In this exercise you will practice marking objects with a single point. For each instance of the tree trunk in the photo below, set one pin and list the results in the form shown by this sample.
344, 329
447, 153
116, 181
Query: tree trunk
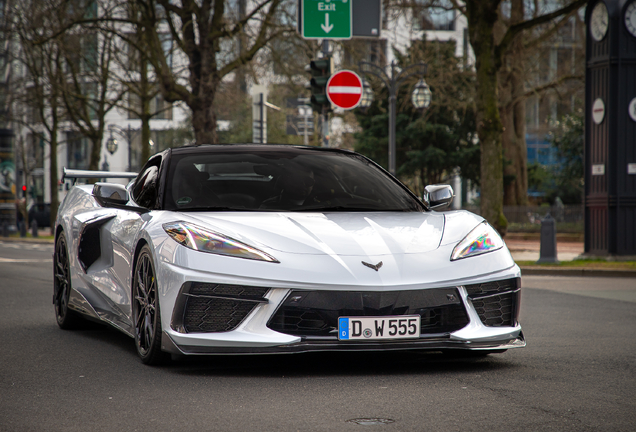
204, 119
96, 149
144, 97
513, 116
55, 202
145, 141
482, 16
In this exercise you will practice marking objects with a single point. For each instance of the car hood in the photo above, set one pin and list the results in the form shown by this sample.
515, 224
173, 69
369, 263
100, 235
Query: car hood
345, 234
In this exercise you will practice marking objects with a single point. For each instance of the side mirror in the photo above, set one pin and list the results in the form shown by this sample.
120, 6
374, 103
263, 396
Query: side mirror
437, 197
110, 193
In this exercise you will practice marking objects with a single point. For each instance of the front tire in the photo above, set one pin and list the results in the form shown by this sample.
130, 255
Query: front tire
66, 318
146, 313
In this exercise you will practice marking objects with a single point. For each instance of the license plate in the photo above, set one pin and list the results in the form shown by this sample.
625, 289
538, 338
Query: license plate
387, 327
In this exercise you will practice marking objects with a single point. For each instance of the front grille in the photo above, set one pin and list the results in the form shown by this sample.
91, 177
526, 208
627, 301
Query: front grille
214, 315
496, 303
223, 290
205, 308
494, 287
495, 311
315, 313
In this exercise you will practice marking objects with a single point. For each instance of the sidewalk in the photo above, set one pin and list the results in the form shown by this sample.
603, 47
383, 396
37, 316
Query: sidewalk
524, 247
527, 247
42, 233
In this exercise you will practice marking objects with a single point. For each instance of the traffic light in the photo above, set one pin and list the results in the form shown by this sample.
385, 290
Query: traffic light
320, 70
24, 190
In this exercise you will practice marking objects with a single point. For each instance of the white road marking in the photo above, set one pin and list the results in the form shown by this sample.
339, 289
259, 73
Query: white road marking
17, 260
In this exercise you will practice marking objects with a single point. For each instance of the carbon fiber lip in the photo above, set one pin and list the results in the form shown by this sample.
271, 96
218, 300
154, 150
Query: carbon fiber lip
431, 344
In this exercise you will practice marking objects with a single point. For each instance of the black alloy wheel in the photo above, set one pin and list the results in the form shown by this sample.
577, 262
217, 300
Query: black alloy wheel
66, 318
146, 314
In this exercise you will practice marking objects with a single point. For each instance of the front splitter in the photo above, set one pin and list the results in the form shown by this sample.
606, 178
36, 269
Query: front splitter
430, 344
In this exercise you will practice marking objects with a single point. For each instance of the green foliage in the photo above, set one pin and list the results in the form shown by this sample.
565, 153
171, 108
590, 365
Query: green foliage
240, 130
539, 177
433, 143
564, 180
569, 142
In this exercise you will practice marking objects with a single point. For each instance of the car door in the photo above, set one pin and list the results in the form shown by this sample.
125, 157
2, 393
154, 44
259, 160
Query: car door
124, 233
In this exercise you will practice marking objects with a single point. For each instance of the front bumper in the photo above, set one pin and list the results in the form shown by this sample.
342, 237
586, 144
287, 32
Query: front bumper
450, 319
253, 333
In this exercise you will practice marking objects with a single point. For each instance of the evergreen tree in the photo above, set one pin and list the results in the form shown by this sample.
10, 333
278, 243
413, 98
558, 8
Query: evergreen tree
430, 144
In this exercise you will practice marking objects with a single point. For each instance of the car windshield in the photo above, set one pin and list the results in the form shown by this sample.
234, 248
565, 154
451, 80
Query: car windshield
281, 179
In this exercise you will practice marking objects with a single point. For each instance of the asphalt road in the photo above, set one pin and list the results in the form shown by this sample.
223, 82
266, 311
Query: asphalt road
578, 372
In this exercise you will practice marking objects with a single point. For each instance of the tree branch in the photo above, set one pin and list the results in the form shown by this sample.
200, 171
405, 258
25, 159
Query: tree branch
548, 34
516, 29
545, 87
261, 40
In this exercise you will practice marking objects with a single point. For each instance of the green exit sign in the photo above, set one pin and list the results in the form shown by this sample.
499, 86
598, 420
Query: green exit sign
326, 19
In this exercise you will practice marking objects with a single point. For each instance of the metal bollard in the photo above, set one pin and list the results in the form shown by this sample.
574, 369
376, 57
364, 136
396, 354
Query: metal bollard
5, 229
34, 228
548, 248
22, 228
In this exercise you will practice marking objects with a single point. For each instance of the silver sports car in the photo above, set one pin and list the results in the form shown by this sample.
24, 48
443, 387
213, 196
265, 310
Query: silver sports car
218, 249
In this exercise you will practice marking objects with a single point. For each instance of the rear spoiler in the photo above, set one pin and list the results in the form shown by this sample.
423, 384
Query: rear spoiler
75, 174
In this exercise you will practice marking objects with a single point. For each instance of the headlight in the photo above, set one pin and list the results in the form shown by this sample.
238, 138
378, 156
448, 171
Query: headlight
481, 240
201, 239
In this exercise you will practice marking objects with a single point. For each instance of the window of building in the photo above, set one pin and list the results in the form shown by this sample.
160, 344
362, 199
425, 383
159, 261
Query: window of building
161, 108
166, 46
441, 16
77, 150
36, 150
32, 108
158, 107
372, 51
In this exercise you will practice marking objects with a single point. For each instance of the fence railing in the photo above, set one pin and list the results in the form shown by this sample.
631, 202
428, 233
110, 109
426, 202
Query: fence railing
569, 218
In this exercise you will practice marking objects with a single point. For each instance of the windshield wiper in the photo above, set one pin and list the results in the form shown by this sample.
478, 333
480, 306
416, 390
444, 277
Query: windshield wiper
341, 208
212, 208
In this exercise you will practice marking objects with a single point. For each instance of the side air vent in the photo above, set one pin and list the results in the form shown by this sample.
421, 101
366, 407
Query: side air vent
89, 249
206, 308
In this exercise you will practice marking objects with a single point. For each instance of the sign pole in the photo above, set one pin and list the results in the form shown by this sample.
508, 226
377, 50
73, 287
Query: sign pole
325, 110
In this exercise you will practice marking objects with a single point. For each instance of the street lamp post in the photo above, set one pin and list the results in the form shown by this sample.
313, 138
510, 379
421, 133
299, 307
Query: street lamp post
111, 147
421, 96
111, 144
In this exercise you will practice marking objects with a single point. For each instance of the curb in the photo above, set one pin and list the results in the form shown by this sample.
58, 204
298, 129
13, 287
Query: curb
576, 271
561, 237
26, 240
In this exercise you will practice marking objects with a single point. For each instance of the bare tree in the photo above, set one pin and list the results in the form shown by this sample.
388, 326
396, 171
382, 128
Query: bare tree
523, 74
38, 92
143, 99
483, 18
206, 37
89, 90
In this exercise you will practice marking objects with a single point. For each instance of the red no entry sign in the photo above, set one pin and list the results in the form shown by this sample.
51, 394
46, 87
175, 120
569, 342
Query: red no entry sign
344, 89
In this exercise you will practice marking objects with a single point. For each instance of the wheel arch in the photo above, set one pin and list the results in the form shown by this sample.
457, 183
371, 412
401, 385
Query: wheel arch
140, 244
59, 230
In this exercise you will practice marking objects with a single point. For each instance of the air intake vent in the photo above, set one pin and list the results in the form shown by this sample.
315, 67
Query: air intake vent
496, 303
495, 287
206, 308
